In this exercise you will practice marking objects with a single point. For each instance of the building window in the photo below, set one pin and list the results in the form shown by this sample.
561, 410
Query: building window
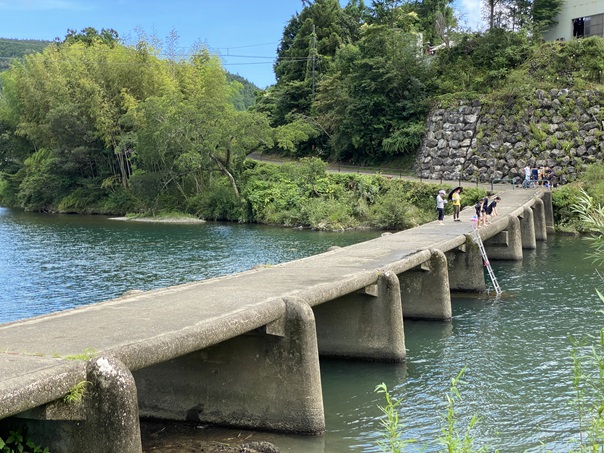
584, 27
596, 27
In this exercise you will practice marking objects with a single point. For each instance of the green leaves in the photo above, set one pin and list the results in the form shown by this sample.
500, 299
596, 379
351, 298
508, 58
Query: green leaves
17, 442
99, 120
392, 427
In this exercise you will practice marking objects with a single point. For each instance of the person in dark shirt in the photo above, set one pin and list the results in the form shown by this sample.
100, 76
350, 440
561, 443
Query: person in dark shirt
492, 207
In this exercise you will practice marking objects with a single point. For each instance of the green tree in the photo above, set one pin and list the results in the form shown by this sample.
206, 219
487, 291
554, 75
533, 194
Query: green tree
71, 99
535, 15
373, 105
17, 48
90, 37
183, 137
545, 12
309, 43
480, 62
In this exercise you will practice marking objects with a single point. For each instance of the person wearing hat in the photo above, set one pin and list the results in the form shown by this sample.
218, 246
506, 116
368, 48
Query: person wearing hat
440, 205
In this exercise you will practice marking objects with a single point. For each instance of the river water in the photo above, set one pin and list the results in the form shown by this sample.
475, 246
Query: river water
515, 350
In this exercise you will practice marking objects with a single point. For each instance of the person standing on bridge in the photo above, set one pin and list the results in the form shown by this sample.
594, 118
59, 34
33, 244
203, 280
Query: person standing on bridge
480, 207
483, 211
440, 206
527, 177
455, 197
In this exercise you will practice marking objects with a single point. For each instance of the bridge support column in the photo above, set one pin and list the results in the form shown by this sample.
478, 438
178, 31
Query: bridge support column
268, 379
506, 245
425, 289
549, 212
527, 229
106, 419
540, 220
466, 268
367, 324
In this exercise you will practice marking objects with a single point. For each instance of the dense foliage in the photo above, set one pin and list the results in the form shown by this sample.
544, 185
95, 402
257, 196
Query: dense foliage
303, 194
92, 124
568, 197
358, 73
515, 15
365, 74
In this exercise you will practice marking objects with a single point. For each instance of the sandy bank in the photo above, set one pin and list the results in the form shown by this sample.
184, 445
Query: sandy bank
187, 220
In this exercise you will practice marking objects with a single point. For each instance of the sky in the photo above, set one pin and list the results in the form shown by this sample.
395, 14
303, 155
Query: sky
244, 33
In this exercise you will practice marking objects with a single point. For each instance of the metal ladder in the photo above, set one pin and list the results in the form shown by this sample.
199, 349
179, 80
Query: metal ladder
476, 238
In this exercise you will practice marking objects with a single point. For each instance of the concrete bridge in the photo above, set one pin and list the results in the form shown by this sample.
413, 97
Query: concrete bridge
243, 350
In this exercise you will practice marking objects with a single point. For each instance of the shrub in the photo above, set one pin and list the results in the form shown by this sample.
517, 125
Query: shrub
121, 202
564, 200
328, 214
217, 202
394, 211
593, 182
17, 441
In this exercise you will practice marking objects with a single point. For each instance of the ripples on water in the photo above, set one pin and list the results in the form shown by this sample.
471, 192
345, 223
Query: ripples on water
516, 354
515, 350
54, 262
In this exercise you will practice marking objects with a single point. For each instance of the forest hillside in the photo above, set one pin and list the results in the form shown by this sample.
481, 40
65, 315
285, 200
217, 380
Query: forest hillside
91, 124
18, 48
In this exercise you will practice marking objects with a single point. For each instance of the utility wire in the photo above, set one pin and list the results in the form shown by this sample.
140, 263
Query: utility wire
292, 59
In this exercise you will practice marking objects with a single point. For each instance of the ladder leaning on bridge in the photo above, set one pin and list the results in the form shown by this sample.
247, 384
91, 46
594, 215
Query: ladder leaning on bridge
476, 238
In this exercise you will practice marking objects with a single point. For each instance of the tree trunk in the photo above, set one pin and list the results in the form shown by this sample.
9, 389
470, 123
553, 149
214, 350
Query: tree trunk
225, 170
121, 158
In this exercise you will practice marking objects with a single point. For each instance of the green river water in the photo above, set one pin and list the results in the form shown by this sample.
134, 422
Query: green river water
515, 350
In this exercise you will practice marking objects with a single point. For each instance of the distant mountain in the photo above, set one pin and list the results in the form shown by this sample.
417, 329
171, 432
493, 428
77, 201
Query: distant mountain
17, 48
246, 96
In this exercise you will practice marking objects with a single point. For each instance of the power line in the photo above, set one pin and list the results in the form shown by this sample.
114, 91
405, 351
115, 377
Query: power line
185, 55
250, 45
244, 56
138, 63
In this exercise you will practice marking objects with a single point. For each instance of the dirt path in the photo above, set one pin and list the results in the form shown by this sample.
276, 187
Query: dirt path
387, 172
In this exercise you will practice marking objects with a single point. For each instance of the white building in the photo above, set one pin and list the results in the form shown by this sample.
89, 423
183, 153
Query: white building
578, 19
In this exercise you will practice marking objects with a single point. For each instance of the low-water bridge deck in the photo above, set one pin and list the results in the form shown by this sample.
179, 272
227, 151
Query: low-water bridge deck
242, 350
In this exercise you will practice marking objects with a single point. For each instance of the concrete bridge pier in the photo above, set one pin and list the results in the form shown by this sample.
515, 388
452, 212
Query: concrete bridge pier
425, 290
540, 220
367, 324
268, 379
527, 229
466, 268
549, 211
507, 244
105, 419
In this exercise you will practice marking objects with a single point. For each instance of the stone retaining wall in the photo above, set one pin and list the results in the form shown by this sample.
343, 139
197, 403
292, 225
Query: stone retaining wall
474, 141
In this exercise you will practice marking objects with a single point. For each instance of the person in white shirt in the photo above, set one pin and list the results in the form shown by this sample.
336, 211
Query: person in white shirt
440, 205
